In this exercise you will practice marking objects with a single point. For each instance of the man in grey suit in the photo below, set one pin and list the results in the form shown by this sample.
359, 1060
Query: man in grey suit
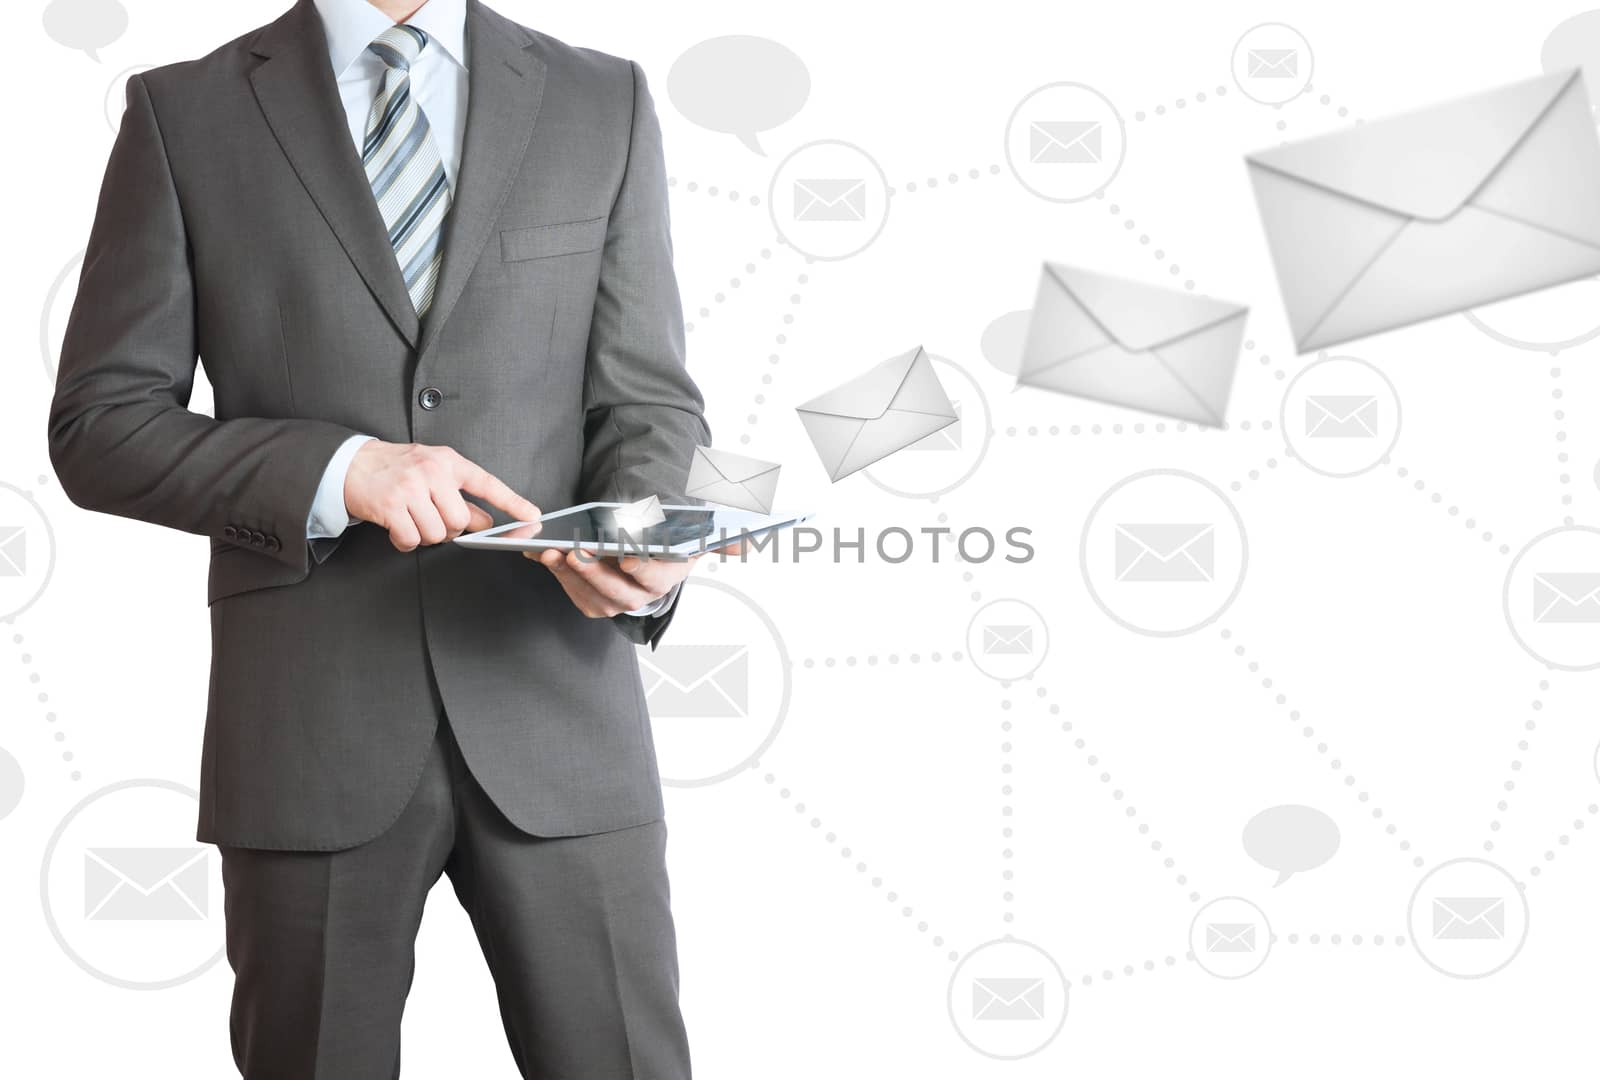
423, 253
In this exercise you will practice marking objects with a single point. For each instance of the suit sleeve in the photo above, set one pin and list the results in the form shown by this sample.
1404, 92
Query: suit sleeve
121, 436
643, 414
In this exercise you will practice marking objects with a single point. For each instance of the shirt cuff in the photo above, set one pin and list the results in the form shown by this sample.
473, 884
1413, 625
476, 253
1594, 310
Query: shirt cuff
328, 517
658, 605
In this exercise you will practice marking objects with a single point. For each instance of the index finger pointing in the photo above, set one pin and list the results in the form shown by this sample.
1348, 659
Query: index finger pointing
475, 480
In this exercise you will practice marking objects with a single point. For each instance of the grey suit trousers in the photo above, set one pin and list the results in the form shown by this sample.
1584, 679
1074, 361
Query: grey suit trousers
577, 931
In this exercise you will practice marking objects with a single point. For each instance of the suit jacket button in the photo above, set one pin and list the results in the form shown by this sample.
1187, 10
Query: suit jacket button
229, 532
258, 539
430, 397
272, 543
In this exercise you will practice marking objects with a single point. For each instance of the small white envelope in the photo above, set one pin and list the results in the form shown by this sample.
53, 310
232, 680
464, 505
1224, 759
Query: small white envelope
732, 480
1272, 64
639, 516
13, 550
1165, 552
870, 417
1469, 918
1434, 211
1568, 597
145, 884
1127, 343
1064, 142
1230, 937
1008, 999
1341, 416
683, 681
830, 200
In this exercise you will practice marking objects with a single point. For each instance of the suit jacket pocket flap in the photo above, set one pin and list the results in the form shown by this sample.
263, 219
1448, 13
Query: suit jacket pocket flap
545, 241
236, 570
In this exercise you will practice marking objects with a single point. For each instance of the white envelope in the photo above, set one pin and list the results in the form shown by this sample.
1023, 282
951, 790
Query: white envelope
1230, 937
1064, 142
696, 680
1008, 640
743, 483
1434, 211
1341, 416
1566, 597
1127, 343
145, 884
1272, 64
639, 516
870, 417
1469, 918
1163, 552
13, 551
830, 200
1007, 999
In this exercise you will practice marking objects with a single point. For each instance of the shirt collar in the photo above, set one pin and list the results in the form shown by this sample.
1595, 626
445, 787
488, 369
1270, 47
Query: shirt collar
350, 26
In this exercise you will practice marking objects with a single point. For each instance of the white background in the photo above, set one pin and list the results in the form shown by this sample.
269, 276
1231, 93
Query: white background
1372, 608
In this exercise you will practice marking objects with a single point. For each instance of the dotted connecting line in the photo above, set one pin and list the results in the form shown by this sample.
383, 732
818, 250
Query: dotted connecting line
733, 283
1578, 825
1327, 102
773, 358
1374, 940
1128, 970
1092, 761
714, 192
1562, 457
1510, 784
1130, 226
1437, 499
1266, 360
1200, 98
890, 896
1007, 875
1307, 732
872, 659
1159, 428
951, 179
1255, 474
42, 696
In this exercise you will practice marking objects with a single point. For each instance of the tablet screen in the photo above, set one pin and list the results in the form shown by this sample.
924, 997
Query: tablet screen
599, 525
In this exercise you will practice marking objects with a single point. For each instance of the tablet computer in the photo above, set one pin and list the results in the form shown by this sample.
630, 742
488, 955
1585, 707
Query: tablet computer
686, 531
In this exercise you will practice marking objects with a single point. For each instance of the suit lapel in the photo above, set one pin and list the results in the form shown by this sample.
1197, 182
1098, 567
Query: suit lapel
299, 97
505, 84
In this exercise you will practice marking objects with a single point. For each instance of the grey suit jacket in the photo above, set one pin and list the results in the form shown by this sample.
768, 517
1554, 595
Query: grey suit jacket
235, 223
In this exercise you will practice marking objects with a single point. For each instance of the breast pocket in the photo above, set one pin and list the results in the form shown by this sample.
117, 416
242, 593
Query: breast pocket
549, 241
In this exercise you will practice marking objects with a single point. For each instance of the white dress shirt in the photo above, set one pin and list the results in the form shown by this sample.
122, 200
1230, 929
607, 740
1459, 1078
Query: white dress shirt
439, 85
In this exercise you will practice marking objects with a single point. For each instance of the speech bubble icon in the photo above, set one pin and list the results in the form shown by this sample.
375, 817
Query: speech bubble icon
739, 85
1575, 43
1290, 839
85, 24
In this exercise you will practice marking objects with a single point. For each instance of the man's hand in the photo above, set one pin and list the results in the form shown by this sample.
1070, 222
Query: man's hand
603, 587
415, 492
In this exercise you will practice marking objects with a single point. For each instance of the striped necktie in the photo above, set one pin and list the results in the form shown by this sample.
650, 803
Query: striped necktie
403, 166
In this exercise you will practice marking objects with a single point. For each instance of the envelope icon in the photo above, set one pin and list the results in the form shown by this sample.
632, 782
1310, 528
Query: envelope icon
945, 440
1127, 343
1230, 937
1008, 999
1064, 142
743, 483
1272, 64
145, 884
890, 407
1566, 598
830, 200
696, 680
1469, 918
636, 517
1434, 211
1008, 640
1340, 416
1160, 552
13, 551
